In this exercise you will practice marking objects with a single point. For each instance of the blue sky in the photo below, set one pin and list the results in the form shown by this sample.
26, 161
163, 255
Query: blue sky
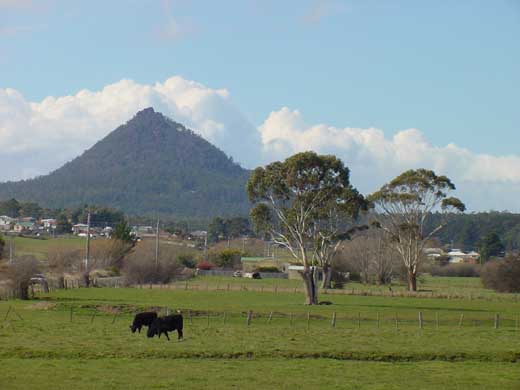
448, 68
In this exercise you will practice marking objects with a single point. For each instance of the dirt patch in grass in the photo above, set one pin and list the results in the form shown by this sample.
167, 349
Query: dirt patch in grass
42, 306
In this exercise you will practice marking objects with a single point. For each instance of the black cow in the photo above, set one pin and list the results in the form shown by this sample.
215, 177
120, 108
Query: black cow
143, 319
165, 325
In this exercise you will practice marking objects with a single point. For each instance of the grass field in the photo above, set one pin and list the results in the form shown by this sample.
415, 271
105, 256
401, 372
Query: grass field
42, 348
24, 246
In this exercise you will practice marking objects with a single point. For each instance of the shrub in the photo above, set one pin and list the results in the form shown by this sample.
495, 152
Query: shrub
502, 276
268, 269
205, 265
461, 270
141, 267
145, 270
19, 274
338, 279
187, 261
227, 258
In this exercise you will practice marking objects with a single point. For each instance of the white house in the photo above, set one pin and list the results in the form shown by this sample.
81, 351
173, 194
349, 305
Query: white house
6, 222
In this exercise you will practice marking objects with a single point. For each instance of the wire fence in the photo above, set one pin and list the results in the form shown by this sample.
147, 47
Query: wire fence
374, 320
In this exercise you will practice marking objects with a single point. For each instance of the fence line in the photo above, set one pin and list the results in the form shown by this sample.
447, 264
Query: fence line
118, 282
303, 320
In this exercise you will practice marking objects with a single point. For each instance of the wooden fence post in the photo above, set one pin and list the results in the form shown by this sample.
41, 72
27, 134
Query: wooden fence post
189, 317
420, 320
497, 321
333, 320
436, 320
359, 320
249, 316
224, 319
93, 316
270, 317
461, 319
308, 319
378, 319
70, 315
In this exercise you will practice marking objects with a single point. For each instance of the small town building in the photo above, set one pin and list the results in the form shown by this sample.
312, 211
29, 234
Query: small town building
24, 227
80, 228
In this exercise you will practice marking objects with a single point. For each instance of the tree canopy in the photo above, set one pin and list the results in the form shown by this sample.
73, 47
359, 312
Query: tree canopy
292, 200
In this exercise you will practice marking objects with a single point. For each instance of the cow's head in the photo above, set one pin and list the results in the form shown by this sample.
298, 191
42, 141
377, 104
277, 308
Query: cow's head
133, 328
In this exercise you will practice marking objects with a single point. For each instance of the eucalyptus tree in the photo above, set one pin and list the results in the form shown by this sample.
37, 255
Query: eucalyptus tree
403, 207
294, 199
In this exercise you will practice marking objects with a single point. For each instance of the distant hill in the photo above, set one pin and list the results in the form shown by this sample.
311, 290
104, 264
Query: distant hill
149, 165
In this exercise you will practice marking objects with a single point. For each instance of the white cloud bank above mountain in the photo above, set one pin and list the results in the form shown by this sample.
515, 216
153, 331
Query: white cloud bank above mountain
36, 137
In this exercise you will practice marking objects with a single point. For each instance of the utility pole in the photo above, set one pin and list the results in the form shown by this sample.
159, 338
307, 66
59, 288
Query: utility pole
157, 244
206, 246
87, 256
11, 249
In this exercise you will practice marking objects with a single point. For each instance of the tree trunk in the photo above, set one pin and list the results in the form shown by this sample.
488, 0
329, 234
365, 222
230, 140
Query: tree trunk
86, 279
311, 286
327, 277
61, 282
412, 280
23, 291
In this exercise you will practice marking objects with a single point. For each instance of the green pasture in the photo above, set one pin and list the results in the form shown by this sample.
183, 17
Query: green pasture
24, 246
80, 338
154, 374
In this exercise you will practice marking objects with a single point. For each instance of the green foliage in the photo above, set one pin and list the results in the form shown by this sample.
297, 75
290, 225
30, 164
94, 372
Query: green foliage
490, 246
11, 208
227, 228
150, 165
187, 260
466, 230
227, 258
63, 225
123, 232
293, 195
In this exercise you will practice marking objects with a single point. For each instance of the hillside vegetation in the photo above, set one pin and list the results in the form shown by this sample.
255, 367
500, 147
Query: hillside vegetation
150, 165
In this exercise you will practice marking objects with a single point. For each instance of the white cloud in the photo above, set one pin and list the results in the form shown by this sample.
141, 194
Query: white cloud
375, 159
36, 137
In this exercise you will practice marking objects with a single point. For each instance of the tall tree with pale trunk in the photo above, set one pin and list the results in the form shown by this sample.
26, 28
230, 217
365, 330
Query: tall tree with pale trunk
402, 209
292, 200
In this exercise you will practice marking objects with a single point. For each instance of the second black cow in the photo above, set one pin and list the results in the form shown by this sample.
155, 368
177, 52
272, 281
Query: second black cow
166, 324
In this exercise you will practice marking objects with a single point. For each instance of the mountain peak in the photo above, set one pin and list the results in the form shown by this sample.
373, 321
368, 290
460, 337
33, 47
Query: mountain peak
148, 165
146, 112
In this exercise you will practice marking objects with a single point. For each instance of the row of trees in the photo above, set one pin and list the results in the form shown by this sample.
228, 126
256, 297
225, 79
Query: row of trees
308, 205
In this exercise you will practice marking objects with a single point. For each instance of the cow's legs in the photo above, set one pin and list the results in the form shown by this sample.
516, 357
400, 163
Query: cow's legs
166, 333
179, 334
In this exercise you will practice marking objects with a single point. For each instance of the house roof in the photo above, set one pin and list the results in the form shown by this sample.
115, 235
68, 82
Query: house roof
25, 224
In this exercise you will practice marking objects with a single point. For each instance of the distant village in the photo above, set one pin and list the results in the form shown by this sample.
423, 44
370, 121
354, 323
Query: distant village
32, 226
